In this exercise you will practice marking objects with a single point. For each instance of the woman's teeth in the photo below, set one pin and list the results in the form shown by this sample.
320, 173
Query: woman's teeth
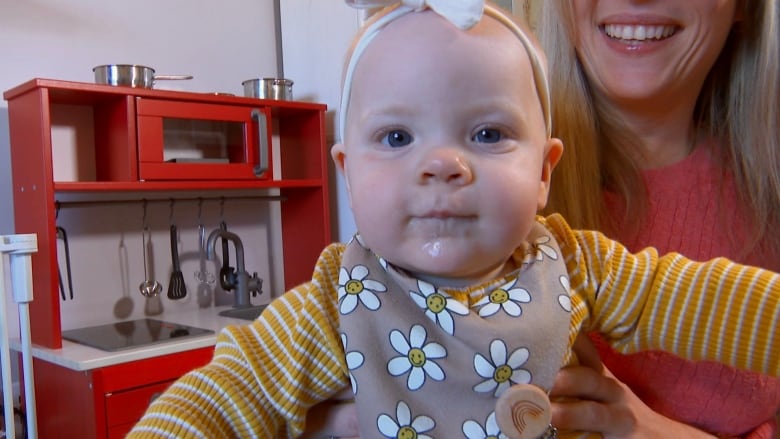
638, 32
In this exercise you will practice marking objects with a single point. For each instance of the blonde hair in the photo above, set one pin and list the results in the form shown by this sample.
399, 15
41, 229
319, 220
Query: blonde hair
737, 104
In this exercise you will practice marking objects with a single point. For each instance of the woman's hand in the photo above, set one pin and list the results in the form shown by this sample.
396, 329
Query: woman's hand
335, 417
590, 398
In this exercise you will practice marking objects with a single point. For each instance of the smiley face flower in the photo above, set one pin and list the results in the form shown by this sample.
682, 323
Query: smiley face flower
403, 426
501, 372
438, 306
505, 297
416, 356
354, 288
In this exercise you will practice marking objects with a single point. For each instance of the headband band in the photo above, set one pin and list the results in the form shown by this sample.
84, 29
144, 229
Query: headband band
462, 13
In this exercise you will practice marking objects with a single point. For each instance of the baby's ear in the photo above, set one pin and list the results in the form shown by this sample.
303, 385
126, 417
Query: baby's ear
338, 155
553, 151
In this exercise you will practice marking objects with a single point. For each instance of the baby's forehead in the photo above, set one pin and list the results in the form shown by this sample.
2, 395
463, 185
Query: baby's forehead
428, 28
392, 40
420, 39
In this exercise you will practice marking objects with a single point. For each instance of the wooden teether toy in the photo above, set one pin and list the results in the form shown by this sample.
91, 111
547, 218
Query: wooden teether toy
523, 412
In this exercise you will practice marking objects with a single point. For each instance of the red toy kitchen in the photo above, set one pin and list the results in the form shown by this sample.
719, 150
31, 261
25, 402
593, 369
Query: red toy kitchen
134, 175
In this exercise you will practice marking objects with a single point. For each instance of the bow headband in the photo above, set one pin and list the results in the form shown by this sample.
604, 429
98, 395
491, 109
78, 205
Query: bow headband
462, 13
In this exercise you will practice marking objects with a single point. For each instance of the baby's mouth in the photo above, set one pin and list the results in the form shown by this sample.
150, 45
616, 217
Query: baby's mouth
440, 225
634, 33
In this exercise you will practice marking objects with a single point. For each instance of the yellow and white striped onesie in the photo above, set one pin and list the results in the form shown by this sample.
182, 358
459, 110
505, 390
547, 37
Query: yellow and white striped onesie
265, 376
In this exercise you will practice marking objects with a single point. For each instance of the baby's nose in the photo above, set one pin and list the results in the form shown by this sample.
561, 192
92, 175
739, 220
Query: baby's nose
445, 165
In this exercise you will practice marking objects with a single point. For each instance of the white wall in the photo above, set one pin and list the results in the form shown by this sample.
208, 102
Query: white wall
315, 36
219, 43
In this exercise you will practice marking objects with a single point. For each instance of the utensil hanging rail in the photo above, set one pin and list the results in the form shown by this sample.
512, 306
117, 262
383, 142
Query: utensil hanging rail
84, 203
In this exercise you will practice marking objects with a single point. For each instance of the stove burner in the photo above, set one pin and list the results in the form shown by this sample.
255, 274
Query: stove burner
132, 334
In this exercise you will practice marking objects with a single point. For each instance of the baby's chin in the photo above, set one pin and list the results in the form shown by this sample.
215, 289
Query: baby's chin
457, 278
446, 262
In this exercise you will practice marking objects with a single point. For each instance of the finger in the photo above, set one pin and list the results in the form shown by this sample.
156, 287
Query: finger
586, 415
332, 418
585, 383
345, 395
587, 353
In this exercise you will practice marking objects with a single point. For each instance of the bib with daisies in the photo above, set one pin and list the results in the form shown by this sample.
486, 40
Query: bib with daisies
426, 365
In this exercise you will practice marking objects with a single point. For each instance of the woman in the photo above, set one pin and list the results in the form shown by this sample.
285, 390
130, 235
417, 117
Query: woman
667, 111
669, 117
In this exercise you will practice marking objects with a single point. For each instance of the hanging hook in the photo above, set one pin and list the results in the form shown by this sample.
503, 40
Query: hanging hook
170, 215
143, 218
201, 227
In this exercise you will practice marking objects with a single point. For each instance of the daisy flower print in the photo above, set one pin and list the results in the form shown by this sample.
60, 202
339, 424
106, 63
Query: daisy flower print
564, 299
473, 429
438, 306
501, 371
354, 287
416, 357
354, 360
506, 298
541, 249
403, 426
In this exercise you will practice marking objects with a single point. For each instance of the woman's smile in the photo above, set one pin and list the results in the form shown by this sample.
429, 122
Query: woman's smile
631, 33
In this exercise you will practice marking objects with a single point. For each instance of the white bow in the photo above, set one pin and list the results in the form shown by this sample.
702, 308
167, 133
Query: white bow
462, 13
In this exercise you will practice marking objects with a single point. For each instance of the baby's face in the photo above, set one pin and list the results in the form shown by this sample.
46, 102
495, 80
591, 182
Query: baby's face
445, 152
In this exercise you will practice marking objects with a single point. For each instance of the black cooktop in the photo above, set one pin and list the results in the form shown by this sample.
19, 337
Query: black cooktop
131, 334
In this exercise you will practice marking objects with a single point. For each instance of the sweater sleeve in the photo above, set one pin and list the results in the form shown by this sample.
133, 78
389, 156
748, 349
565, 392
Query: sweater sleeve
716, 310
264, 376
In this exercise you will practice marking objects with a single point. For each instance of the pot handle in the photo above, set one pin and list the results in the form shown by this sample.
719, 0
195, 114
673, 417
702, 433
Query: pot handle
156, 77
262, 142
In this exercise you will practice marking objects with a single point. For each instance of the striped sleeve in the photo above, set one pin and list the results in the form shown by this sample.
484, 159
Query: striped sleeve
264, 376
716, 310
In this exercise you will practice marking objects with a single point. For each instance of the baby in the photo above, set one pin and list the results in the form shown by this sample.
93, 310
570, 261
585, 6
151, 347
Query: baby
454, 291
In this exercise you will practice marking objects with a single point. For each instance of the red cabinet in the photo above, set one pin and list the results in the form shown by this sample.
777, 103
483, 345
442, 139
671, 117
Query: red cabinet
104, 402
202, 141
125, 408
131, 132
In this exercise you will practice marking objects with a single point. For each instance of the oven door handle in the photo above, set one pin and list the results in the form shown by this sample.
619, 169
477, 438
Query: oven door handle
262, 142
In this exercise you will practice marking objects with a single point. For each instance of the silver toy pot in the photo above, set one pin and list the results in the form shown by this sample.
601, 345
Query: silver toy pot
130, 75
269, 88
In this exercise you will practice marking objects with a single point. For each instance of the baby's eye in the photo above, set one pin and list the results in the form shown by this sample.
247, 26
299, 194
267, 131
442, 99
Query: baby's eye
487, 135
397, 138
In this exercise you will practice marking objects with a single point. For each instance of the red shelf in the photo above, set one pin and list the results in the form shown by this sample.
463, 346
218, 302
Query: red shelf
116, 170
171, 186
85, 93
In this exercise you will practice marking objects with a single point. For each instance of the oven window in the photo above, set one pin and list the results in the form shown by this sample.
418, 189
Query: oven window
203, 141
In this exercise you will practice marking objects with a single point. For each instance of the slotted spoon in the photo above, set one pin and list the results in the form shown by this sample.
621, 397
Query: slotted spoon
176, 288
149, 287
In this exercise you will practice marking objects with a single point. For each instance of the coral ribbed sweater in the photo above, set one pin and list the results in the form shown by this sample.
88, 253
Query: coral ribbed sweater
694, 211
